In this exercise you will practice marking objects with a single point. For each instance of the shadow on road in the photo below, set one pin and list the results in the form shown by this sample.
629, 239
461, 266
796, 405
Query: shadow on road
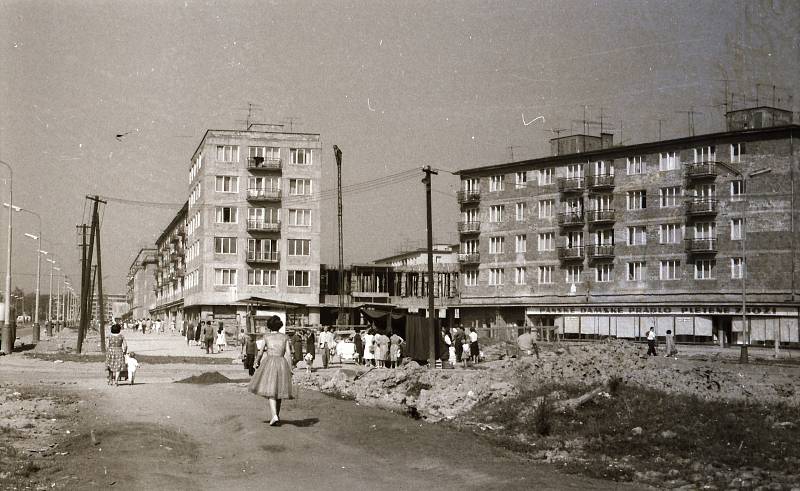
300, 423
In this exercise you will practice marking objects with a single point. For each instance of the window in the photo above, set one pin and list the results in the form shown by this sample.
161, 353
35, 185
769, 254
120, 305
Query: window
669, 233
737, 268
471, 215
495, 276
546, 176
669, 197
705, 154
298, 187
704, 269
227, 153
574, 274
297, 278
574, 239
736, 229
496, 183
604, 236
226, 184
737, 150
573, 206
224, 277
575, 171
601, 202
301, 156
298, 247
472, 185
521, 243
546, 208
637, 200
519, 276
262, 277
668, 161
469, 246
670, 269
496, 245
520, 215
299, 218
705, 230
546, 241
225, 245
521, 179
737, 190
471, 277
264, 215
637, 271
636, 166
227, 214
264, 183
496, 213
637, 235
545, 275
603, 273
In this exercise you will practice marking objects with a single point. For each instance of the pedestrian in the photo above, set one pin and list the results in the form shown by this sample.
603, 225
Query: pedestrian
273, 376
327, 344
172, 326
458, 343
381, 341
526, 344
369, 347
651, 342
115, 354
249, 350
450, 356
209, 339
670, 343
297, 348
359, 347
474, 349
198, 331
395, 349
132, 364
189, 333
222, 340
310, 347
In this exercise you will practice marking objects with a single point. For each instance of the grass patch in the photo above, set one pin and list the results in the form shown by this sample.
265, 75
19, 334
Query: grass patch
679, 433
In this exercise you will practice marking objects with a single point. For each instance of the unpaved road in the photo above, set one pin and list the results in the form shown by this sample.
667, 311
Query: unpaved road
164, 435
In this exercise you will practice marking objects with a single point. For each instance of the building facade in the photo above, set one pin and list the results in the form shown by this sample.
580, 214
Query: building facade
141, 284
604, 240
170, 271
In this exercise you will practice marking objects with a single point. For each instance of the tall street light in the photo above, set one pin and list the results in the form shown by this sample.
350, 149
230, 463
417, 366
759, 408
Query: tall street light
50, 295
7, 342
36, 328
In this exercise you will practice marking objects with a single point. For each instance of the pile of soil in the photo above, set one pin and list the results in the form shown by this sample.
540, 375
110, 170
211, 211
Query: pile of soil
206, 378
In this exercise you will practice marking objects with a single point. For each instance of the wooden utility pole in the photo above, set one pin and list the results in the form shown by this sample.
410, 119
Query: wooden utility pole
341, 318
99, 272
84, 287
431, 311
87, 284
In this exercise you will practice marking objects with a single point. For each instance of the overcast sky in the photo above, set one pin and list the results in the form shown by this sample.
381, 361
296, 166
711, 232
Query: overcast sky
396, 84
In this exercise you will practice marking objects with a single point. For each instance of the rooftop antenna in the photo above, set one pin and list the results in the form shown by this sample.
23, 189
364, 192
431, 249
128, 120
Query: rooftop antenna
690, 117
251, 113
660, 122
292, 120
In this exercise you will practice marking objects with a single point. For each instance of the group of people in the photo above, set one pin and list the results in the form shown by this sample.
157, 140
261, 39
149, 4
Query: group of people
462, 347
377, 349
147, 325
652, 341
205, 336
118, 357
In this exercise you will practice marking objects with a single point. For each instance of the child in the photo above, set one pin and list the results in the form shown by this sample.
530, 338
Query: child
309, 359
133, 364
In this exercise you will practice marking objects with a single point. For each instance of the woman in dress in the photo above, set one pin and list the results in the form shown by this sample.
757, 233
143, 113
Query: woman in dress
222, 340
382, 349
273, 377
115, 354
396, 342
369, 348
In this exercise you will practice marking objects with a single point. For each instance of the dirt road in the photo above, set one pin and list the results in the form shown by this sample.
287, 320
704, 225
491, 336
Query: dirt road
164, 435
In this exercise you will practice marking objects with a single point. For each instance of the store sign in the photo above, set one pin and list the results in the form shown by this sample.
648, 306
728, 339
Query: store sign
767, 310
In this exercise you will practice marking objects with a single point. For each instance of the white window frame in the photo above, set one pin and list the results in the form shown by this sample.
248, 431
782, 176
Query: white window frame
637, 235
219, 214
225, 245
670, 231
519, 275
737, 190
471, 277
229, 153
705, 154
637, 271
669, 270
704, 269
604, 273
669, 197
636, 165
546, 242
573, 274
736, 228
636, 199
668, 161
496, 245
521, 179
546, 208
737, 150
520, 211
496, 213
262, 277
226, 184
521, 243
496, 183
225, 276
300, 187
471, 185
303, 275
545, 276
546, 176
298, 247
738, 268
301, 156
496, 276
296, 213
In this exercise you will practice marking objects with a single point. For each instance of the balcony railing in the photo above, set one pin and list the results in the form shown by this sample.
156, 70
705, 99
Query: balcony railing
470, 258
600, 216
571, 184
263, 256
468, 196
699, 170
602, 251
260, 163
701, 206
259, 194
569, 253
570, 218
598, 181
263, 226
469, 227
701, 245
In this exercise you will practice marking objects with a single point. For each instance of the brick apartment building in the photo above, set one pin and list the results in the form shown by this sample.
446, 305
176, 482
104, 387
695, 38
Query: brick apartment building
247, 240
598, 239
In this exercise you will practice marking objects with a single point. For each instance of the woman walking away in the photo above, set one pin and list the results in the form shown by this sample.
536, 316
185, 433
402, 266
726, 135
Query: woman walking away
115, 354
273, 377
382, 349
198, 331
394, 349
311, 345
474, 349
222, 340
369, 348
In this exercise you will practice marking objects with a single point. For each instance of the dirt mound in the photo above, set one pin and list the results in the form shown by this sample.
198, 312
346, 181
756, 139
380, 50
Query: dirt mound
206, 378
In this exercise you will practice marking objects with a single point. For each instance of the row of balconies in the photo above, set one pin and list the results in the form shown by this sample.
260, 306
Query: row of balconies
263, 226
260, 163
263, 194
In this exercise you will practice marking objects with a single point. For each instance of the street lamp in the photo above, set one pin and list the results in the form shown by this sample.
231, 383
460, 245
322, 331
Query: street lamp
36, 328
7, 342
50, 295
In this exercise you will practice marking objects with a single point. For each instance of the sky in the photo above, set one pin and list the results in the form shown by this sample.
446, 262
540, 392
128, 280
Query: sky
396, 85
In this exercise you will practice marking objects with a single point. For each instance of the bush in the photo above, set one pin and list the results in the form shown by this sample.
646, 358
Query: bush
543, 417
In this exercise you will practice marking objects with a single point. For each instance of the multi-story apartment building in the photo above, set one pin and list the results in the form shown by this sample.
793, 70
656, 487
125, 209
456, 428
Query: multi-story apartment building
253, 226
599, 240
170, 271
115, 306
141, 284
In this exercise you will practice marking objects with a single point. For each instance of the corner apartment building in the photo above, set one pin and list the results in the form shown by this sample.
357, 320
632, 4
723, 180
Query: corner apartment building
170, 271
252, 226
599, 240
141, 284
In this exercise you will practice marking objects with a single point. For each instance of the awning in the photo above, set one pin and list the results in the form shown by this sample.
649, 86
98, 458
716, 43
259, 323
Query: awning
379, 314
267, 302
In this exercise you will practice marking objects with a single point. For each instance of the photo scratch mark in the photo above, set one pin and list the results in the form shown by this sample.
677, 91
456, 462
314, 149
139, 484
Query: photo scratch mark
369, 106
531, 121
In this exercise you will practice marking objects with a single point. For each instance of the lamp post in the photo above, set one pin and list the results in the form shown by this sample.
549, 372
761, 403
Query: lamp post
50, 295
36, 325
7, 342
743, 355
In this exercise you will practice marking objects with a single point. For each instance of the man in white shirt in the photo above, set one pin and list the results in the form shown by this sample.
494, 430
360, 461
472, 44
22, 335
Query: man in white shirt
651, 342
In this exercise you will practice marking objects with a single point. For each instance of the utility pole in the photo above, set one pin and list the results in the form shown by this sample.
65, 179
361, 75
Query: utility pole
341, 318
101, 300
84, 288
431, 312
